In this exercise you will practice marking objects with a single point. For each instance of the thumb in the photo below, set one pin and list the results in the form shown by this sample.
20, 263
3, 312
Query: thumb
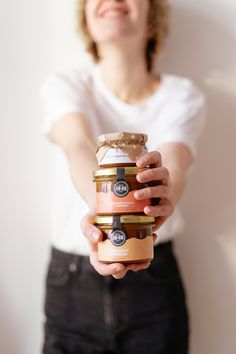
91, 232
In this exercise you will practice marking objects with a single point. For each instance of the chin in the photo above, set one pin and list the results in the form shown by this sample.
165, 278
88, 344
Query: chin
112, 34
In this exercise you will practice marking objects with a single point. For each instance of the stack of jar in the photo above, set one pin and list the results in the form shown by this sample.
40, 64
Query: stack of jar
127, 231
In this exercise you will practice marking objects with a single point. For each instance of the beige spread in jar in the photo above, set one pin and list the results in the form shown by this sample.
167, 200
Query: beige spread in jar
126, 238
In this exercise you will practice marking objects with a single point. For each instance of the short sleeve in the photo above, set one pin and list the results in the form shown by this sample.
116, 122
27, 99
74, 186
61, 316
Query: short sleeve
59, 95
184, 119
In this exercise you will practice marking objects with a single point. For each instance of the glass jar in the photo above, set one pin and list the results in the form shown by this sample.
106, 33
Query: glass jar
119, 149
115, 189
126, 238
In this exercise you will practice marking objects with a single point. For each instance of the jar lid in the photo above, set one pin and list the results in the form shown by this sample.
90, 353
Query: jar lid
122, 138
125, 219
113, 171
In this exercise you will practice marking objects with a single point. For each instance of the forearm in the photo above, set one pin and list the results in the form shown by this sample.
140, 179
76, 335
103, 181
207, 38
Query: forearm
177, 183
176, 158
72, 134
81, 162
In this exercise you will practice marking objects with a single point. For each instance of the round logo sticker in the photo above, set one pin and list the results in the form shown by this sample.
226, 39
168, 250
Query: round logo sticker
117, 238
121, 189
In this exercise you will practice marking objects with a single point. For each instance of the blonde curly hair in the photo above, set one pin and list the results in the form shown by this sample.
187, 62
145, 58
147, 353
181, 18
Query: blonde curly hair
158, 20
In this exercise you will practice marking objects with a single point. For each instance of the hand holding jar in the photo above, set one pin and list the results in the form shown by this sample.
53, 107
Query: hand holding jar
158, 177
94, 235
161, 190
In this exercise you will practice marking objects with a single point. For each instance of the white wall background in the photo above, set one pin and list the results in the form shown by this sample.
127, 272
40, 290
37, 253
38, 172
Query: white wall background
38, 37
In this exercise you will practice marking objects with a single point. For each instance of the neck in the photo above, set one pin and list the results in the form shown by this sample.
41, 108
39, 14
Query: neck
125, 74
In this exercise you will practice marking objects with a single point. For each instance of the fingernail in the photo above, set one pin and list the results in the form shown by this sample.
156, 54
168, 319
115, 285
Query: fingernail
138, 178
141, 163
139, 194
95, 235
118, 269
147, 210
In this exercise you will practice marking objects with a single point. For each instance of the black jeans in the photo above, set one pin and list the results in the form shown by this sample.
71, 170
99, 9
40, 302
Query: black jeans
143, 313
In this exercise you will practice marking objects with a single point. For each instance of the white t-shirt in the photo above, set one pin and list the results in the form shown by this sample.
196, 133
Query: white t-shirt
174, 113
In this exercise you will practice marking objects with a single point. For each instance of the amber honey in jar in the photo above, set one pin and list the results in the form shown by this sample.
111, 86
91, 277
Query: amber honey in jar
126, 238
115, 189
120, 149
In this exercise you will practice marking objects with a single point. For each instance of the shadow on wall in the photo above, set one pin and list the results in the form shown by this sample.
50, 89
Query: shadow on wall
205, 51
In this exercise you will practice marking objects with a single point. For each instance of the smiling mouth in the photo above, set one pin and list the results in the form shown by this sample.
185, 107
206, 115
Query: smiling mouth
113, 13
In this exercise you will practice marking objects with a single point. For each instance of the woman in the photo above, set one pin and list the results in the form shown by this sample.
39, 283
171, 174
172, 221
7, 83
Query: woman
92, 307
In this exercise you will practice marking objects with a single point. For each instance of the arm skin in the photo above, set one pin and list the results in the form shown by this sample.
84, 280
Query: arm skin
176, 158
72, 134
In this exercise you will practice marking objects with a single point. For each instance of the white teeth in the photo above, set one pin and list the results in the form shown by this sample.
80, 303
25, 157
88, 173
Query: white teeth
113, 13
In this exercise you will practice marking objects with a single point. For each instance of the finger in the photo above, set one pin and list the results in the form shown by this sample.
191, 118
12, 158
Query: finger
139, 266
134, 267
119, 275
103, 268
148, 159
165, 208
154, 235
89, 218
91, 232
160, 191
159, 222
154, 174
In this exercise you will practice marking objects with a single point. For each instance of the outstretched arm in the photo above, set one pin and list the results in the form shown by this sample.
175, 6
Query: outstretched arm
72, 134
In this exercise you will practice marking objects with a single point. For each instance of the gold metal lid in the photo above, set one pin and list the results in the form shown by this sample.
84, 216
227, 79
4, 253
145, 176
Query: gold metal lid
122, 137
125, 219
113, 171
